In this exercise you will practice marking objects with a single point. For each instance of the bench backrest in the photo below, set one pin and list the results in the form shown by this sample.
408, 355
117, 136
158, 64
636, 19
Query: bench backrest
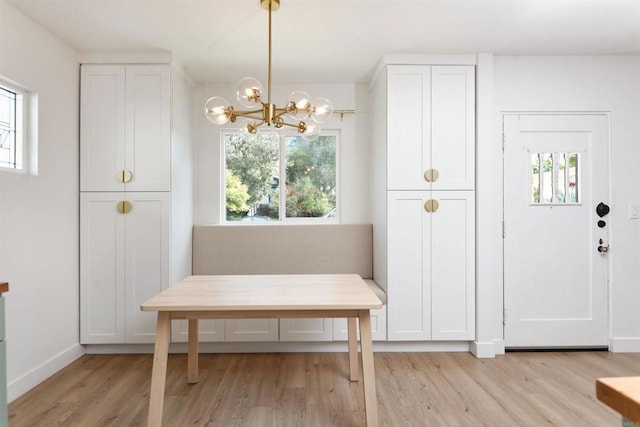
283, 249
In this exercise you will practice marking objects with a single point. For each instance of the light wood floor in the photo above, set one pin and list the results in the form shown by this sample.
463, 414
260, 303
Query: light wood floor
312, 389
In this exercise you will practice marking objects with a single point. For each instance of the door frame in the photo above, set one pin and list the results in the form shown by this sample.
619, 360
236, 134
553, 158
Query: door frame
611, 234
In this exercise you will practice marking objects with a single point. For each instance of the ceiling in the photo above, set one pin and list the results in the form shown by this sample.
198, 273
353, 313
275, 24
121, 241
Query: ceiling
334, 41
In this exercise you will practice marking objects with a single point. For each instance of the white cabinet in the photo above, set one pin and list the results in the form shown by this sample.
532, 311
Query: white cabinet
423, 132
125, 199
306, 329
430, 265
239, 330
125, 128
430, 127
378, 326
124, 260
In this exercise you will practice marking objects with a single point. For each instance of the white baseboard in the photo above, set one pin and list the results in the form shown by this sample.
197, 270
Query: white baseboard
624, 345
483, 349
26, 382
281, 347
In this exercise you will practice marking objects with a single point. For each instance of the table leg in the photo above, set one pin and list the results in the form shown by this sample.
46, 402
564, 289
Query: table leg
352, 334
159, 372
368, 374
192, 357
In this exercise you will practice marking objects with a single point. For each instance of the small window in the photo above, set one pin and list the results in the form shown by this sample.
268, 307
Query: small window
269, 177
554, 178
11, 125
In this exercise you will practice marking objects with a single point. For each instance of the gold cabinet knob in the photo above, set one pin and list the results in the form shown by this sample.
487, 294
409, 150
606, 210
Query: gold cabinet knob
124, 207
431, 175
431, 205
124, 176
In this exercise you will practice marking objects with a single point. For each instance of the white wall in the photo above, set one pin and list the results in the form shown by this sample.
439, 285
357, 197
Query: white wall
39, 213
354, 149
599, 83
182, 180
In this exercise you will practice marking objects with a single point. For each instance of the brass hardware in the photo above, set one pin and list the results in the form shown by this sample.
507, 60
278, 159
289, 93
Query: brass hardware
275, 4
262, 111
431, 175
431, 205
124, 176
124, 207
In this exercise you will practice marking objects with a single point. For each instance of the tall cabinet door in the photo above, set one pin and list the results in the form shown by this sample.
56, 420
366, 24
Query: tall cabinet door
452, 275
102, 127
102, 269
147, 235
148, 128
408, 267
453, 127
408, 127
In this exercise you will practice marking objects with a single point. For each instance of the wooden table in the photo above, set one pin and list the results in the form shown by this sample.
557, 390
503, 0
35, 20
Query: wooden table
621, 394
263, 296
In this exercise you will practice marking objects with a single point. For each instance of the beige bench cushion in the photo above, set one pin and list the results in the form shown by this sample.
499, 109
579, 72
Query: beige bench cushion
278, 249
290, 249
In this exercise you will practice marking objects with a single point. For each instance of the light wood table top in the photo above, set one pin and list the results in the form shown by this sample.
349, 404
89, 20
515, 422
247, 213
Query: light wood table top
621, 394
266, 292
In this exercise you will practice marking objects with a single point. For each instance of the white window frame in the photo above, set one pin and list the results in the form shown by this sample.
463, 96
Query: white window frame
21, 126
282, 188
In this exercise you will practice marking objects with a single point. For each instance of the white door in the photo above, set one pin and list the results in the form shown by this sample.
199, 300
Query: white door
147, 252
556, 173
102, 269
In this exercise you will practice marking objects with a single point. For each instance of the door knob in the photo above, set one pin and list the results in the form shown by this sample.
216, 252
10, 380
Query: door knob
602, 209
603, 249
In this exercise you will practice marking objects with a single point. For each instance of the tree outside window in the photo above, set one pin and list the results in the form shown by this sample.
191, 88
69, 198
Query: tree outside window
271, 177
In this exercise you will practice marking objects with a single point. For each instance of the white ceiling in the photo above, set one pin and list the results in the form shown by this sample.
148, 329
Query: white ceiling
334, 41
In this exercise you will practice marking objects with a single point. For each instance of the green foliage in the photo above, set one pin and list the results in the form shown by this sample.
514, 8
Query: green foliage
236, 195
315, 160
305, 199
254, 161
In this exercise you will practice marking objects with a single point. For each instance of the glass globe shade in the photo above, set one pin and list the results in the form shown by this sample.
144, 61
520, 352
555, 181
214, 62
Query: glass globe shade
322, 110
249, 92
216, 110
302, 102
311, 132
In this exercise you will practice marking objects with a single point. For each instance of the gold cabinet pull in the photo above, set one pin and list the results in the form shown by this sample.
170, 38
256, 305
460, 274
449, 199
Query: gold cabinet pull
124, 207
431, 175
431, 205
124, 176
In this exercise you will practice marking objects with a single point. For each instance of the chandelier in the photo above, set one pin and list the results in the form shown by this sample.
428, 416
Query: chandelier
250, 94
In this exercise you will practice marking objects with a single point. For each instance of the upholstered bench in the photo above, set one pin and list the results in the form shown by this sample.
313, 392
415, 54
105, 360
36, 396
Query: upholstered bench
285, 249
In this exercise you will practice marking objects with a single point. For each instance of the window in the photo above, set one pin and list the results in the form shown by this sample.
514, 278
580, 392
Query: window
11, 142
269, 177
554, 178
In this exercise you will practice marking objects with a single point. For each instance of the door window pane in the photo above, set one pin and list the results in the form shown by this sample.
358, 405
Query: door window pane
554, 178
